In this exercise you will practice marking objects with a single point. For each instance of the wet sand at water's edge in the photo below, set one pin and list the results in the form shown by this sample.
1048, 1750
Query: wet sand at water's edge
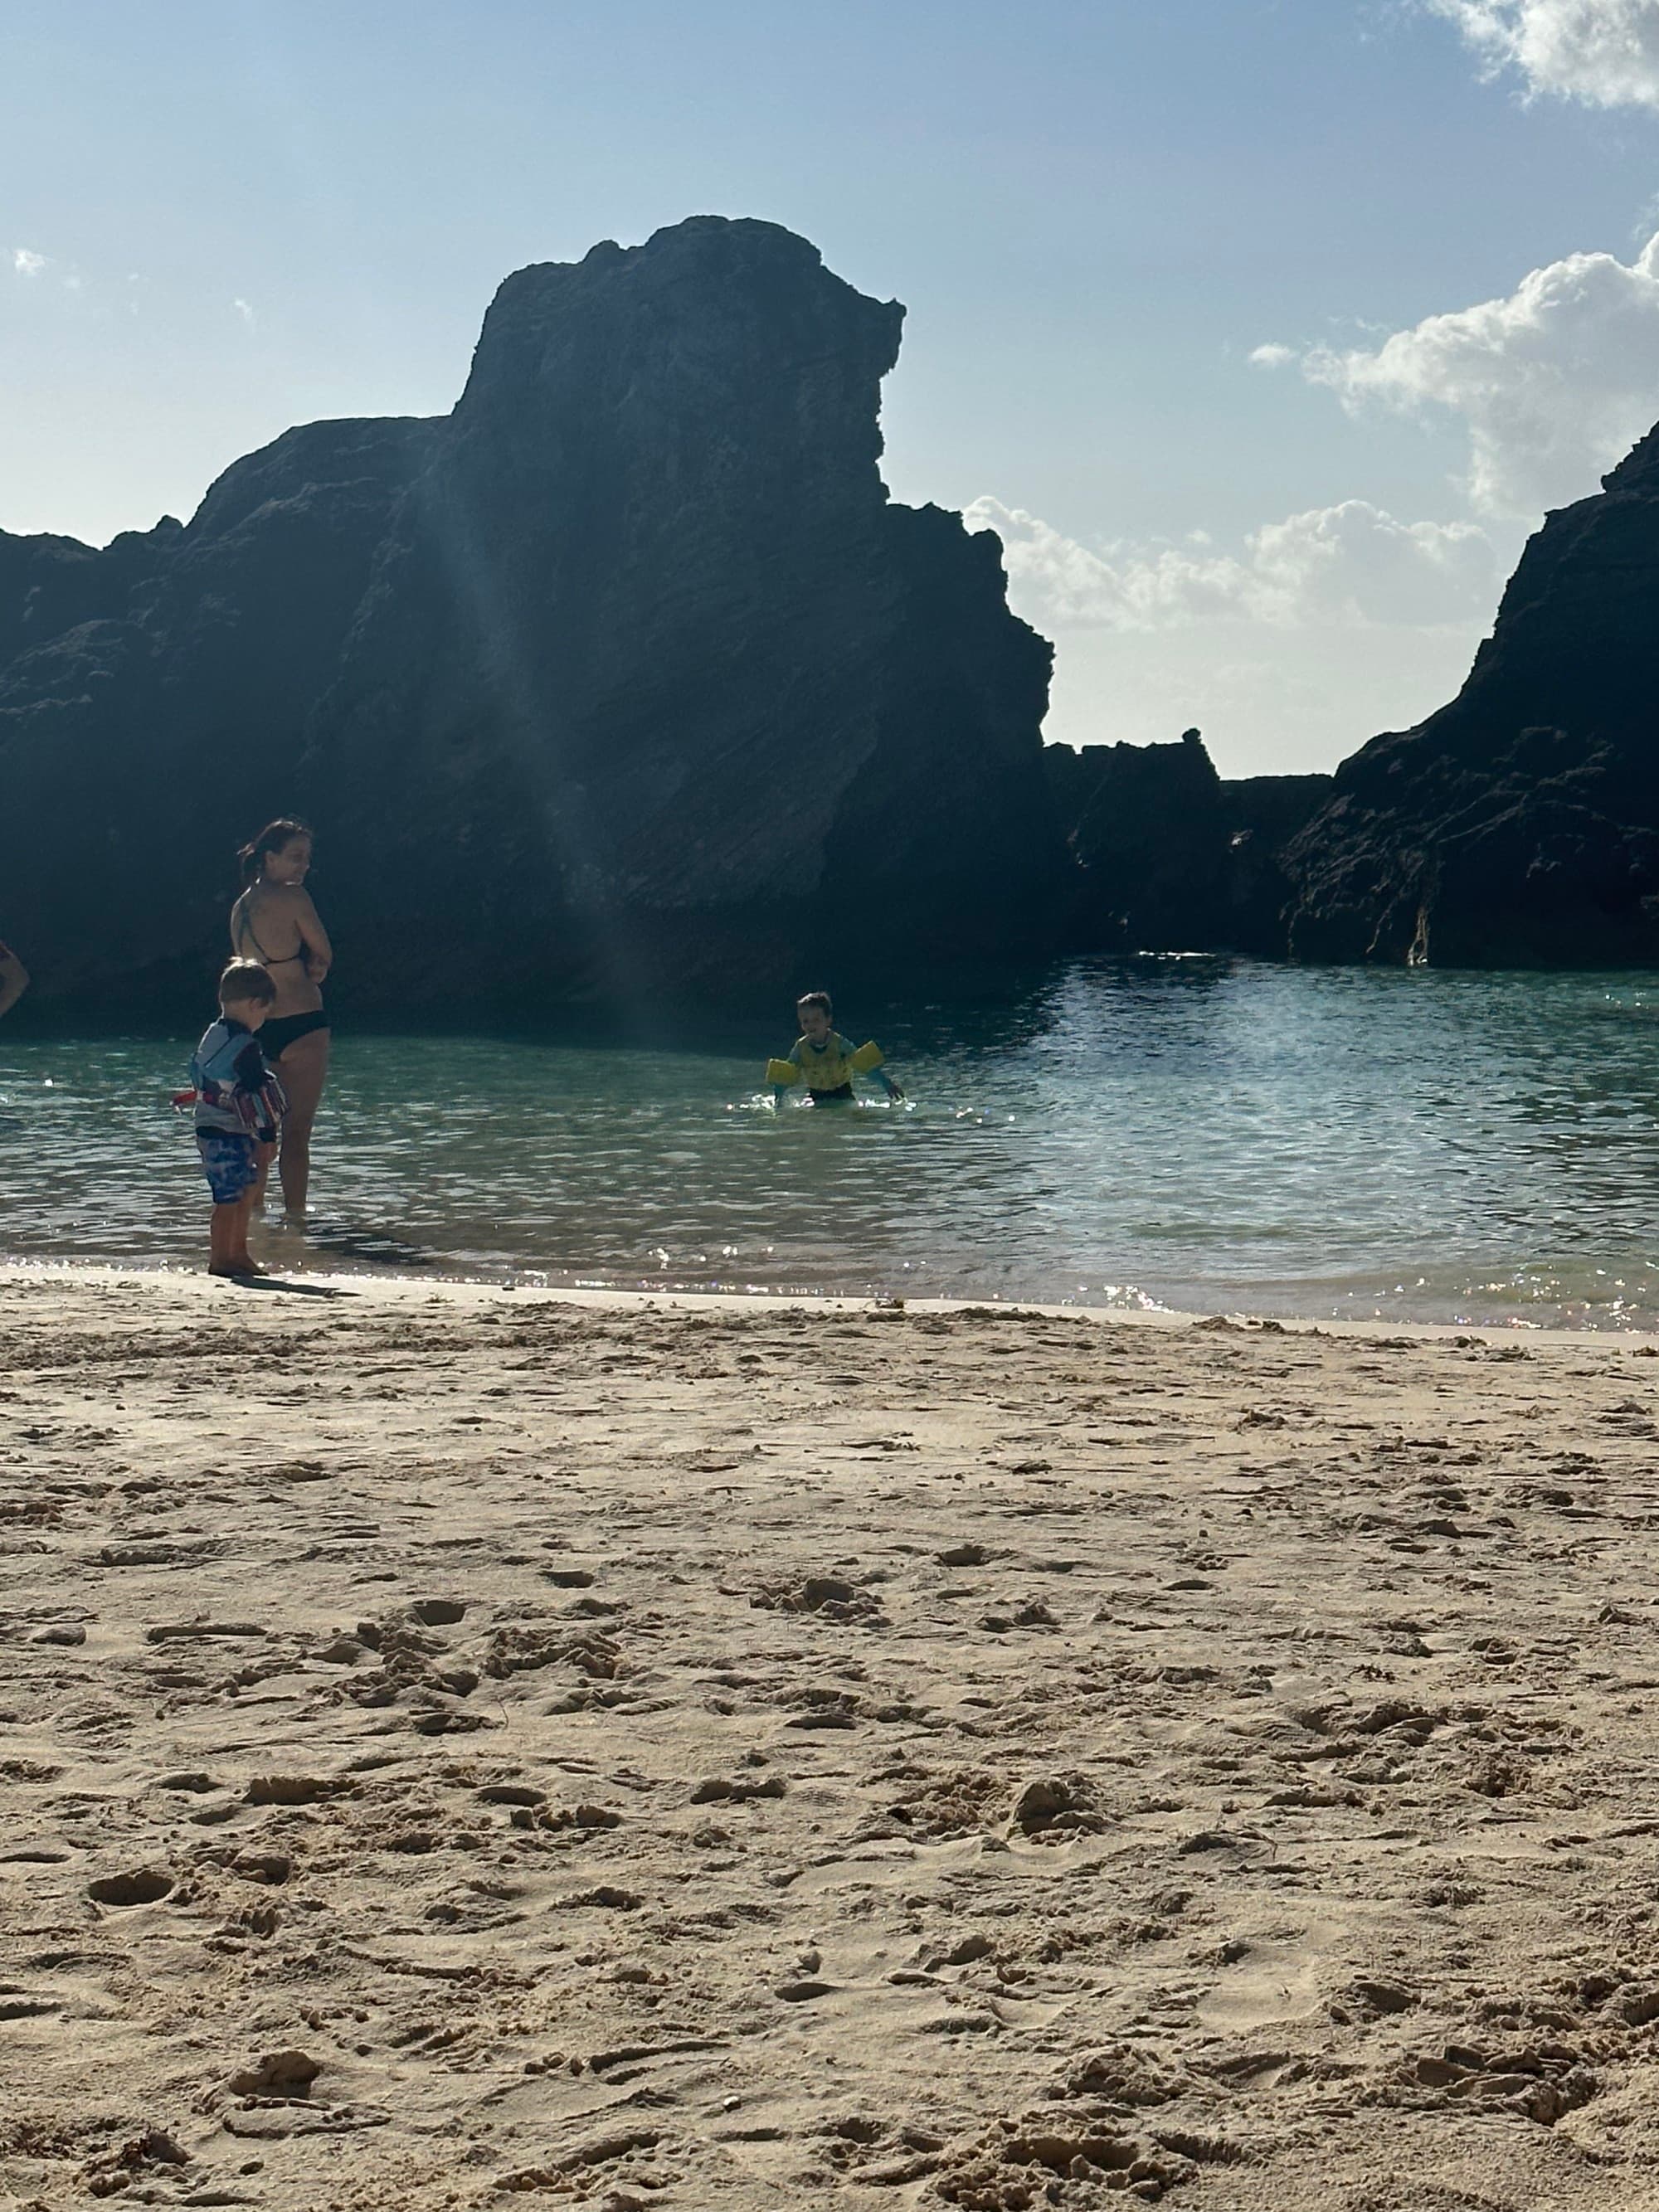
460, 1747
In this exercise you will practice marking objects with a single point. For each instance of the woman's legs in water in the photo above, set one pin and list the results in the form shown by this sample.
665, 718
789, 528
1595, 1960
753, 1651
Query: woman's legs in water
265, 1154
303, 1070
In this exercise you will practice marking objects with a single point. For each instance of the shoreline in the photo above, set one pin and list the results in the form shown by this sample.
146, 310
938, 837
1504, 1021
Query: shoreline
1059, 1172
464, 1744
390, 1288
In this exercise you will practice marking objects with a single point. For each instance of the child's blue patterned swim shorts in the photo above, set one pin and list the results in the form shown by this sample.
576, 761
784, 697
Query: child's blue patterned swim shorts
228, 1162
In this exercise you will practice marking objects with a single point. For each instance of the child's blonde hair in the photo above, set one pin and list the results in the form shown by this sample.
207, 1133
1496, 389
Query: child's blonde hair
245, 983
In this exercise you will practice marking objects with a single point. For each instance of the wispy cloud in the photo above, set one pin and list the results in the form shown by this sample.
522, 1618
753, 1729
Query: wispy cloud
26, 263
1346, 566
1554, 383
1602, 52
245, 312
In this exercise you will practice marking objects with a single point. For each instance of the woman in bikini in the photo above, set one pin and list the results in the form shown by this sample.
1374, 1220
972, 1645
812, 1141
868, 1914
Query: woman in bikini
274, 922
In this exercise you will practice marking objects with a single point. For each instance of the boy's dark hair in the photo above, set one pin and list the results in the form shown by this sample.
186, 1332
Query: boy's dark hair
816, 1002
246, 983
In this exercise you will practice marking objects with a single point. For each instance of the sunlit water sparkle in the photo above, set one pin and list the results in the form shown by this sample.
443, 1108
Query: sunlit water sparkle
1327, 1142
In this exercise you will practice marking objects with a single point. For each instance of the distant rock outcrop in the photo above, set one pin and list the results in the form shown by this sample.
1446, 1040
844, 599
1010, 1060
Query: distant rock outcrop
1520, 824
1169, 855
51, 585
626, 674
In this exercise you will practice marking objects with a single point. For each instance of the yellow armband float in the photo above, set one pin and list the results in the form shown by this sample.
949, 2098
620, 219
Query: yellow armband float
782, 1073
866, 1058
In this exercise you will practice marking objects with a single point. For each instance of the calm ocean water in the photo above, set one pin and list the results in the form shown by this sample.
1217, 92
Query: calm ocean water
1330, 1142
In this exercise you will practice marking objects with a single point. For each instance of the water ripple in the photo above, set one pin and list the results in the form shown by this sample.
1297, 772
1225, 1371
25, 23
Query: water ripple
1330, 1141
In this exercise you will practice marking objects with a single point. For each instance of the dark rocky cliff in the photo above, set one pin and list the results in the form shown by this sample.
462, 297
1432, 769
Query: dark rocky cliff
1520, 824
1169, 856
626, 675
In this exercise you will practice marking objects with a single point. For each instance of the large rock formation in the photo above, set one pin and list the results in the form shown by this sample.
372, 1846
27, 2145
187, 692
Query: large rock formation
1520, 824
626, 674
1169, 856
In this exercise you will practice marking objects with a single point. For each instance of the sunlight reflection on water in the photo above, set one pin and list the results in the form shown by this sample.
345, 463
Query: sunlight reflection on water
1326, 1141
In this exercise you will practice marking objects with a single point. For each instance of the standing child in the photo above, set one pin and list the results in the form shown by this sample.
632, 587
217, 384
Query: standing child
239, 1108
824, 1060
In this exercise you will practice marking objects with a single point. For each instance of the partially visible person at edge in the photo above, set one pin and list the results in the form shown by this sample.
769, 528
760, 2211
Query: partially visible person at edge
824, 1060
13, 979
274, 923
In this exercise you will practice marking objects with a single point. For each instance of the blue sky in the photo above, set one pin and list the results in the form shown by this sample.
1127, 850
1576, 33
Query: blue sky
217, 220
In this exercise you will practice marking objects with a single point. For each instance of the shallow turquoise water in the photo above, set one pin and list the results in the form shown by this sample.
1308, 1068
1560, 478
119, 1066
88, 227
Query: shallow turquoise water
1194, 1133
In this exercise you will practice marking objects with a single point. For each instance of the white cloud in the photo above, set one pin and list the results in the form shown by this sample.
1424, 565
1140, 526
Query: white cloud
1269, 701
27, 263
1272, 356
1603, 52
1344, 567
244, 311
1554, 383
1355, 563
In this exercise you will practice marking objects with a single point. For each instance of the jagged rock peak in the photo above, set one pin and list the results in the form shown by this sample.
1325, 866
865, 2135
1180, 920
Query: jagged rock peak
722, 347
1639, 470
626, 671
1519, 824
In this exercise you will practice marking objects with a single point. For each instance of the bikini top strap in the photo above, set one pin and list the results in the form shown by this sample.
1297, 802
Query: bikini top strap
245, 928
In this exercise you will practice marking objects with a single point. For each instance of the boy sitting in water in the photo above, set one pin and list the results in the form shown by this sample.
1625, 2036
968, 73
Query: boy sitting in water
823, 1059
239, 1105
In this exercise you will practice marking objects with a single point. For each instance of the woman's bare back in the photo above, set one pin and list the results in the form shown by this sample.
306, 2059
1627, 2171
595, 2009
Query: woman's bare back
268, 923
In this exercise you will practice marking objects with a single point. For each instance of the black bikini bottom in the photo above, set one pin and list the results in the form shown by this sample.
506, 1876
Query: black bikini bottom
284, 1030
817, 1098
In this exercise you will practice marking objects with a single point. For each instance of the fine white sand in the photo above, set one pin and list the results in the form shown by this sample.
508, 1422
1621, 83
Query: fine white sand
460, 1747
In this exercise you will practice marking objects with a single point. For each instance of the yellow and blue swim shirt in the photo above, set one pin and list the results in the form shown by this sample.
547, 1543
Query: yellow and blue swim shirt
829, 1067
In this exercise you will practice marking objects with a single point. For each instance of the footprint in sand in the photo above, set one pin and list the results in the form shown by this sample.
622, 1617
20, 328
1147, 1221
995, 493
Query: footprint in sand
139, 1886
272, 1868
294, 1790
1278, 1982
1539, 2080
278, 2073
827, 1596
599, 2150
1017, 2163
272, 2098
720, 1791
1367, 1998
161, 1555
603, 1895
192, 1631
114, 2170
16, 2003
511, 1793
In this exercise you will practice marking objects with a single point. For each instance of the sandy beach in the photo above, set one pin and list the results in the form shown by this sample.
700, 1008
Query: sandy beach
464, 1746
